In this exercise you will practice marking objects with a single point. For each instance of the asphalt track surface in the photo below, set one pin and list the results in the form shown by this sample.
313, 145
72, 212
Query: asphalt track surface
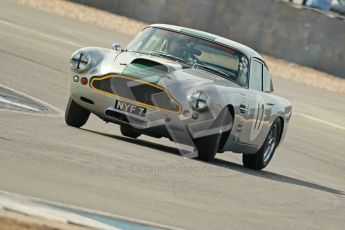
95, 167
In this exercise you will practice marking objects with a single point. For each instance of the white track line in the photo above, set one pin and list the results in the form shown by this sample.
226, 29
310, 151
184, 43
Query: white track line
21, 200
58, 112
40, 33
4, 100
29, 208
320, 120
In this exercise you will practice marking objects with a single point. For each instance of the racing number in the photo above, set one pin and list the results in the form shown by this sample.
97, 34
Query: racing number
259, 116
257, 120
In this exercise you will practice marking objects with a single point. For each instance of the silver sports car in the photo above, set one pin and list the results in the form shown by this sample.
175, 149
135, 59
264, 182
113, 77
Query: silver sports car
206, 93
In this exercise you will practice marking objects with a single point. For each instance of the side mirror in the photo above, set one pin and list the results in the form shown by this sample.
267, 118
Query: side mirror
116, 46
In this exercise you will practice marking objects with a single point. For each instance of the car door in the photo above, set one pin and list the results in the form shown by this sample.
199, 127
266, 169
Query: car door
269, 103
257, 115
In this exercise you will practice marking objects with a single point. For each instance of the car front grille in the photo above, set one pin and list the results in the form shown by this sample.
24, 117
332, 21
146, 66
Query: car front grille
136, 90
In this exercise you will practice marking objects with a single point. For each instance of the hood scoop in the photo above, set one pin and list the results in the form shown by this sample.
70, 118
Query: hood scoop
146, 69
149, 65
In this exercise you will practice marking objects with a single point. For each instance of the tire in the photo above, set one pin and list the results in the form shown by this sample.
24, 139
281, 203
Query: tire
128, 131
263, 157
75, 115
207, 146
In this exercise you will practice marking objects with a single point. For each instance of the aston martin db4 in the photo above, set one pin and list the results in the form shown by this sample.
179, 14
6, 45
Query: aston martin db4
206, 93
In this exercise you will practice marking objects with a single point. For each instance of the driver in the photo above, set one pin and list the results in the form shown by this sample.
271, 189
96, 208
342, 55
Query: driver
177, 48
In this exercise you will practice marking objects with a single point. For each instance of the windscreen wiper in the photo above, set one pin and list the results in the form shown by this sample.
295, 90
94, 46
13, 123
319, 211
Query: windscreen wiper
163, 54
212, 69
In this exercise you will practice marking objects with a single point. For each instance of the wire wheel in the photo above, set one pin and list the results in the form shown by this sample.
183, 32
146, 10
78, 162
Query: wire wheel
270, 142
263, 156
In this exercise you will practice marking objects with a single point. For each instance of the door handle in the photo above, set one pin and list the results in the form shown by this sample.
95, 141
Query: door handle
243, 109
270, 103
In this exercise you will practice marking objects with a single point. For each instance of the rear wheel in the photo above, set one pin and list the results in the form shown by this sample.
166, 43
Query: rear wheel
129, 131
263, 157
75, 115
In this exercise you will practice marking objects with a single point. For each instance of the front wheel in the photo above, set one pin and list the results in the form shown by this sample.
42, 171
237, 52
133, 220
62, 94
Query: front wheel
207, 146
128, 131
76, 115
263, 157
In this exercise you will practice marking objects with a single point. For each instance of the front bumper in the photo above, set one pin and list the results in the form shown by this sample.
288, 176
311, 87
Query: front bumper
156, 122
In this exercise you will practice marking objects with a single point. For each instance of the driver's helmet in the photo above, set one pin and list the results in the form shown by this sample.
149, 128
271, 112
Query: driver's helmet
177, 47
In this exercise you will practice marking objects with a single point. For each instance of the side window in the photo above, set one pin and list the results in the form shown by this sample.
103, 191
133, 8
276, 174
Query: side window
266, 80
255, 81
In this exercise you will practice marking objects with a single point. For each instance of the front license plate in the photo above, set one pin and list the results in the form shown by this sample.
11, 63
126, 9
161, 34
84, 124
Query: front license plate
130, 108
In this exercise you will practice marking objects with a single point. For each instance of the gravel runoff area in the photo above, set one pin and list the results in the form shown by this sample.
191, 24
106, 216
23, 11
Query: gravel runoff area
16, 221
278, 68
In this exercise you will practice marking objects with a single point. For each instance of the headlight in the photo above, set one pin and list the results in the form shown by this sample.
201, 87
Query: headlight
199, 100
80, 61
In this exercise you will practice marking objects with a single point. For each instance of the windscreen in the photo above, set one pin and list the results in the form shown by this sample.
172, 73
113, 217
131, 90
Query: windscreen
193, 51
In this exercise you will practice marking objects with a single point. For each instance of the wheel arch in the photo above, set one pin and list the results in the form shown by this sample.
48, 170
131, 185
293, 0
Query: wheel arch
226, 135
281, 128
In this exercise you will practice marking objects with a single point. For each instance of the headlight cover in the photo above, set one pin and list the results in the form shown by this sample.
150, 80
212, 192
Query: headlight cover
199, 100
80, 61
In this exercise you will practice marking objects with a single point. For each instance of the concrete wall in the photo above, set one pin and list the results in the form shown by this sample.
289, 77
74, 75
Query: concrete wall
276, 28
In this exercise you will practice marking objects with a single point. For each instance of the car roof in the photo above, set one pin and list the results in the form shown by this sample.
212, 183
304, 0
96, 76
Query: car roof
249, 52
